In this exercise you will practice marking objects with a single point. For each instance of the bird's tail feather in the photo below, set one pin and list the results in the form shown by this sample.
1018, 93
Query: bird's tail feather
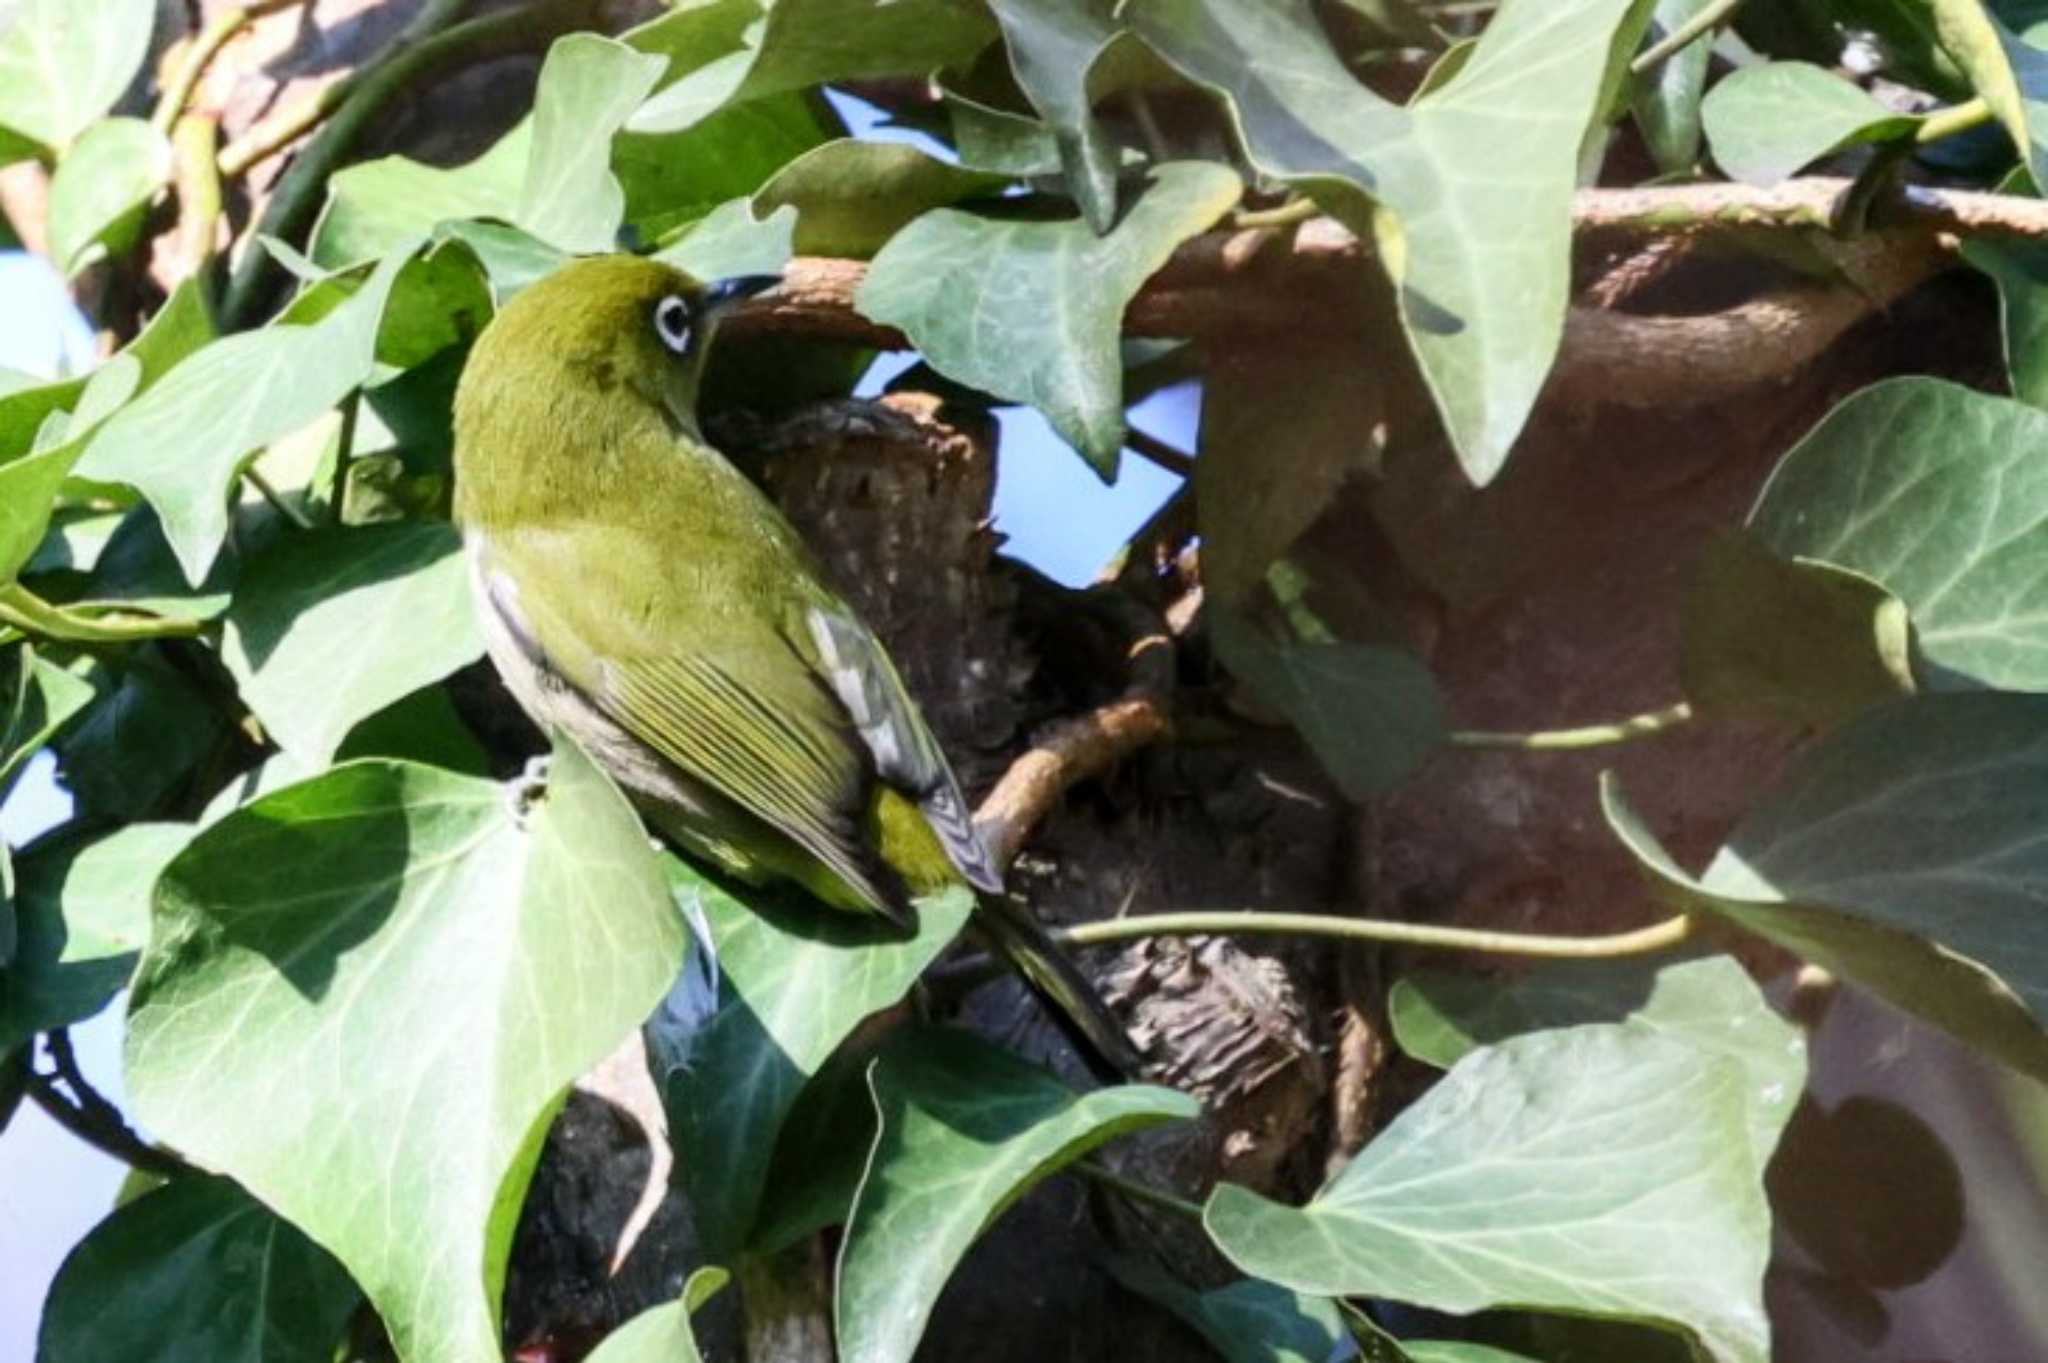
1059, 984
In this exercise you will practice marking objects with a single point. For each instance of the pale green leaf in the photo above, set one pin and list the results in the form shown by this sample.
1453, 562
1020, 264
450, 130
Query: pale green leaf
381, 206
1940, 494
851, 196
196, 1271
798, 979
1476, 178
1598, 1170
1031, 311
1710, 1004
588, 86
403, 977
966, 1130
730, 241
41, 698
83, 913
102, 189
331, 627
1767, 122
1904, 853
1053, 47
63, 63
662, 1334
183, 441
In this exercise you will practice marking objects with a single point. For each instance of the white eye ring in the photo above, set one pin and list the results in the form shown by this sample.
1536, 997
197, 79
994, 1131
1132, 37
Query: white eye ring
672, 323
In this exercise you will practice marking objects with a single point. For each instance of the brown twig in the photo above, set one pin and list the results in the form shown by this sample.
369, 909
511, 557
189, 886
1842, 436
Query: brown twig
1066, 753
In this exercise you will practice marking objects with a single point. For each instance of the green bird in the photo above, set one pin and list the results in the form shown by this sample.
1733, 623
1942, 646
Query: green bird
639, 593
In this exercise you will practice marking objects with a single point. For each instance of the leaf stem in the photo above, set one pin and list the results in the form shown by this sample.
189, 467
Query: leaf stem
1568, 740
1244, 922
1136, 1191
1708, 18
276, 499
24, 610
1298, 209
195, 143
91, 1117
206, 45
351, 407
1958, 119
1173, 460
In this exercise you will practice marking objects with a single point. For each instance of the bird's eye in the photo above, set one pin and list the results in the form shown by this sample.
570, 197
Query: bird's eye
672, 323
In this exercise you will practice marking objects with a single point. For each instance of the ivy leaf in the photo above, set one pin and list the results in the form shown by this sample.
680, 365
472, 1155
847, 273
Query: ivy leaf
1370, 714
1053, 47
1791, 637
1031, 311
851, 196
588, 86
2020, 269
41, 698
662, 1334
1477, 176
1941, 494
1247, 1321
1767, 122
145, 733
403, 979
196, 1271
730, 241
798, 980
102, 189
1903, 852
333, 626
2007, 71
966, 1130
1597, 1170
183, 441
1666, 98
63, 64
381, 206
1710, 1004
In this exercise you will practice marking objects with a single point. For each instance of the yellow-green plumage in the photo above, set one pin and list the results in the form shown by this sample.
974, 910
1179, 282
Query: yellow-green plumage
637, 591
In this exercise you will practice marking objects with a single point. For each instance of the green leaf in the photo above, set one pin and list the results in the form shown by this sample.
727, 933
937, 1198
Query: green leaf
1598, 1170
798, 980
63, 64
511, 259
731, 241
2008, 72
1370, 714
1248, 1321
404, 981
1765, 123
331, 627
662, 1334
1797, 638
196, 1272
1941, 494
423, 727
966, 1130
589, 85
83, 914
2020, 269
1666, 98
103, 188
386, 205
1053, 47
41, 698
851, 196
800, 43
181, 443
997, 140
1902, 852
150, 727
1031, 311
1710, 1004
28, 489
1476, 178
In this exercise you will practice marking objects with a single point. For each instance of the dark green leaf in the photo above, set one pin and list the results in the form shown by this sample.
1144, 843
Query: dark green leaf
63, 64
2020, 269
41, 698
1031, 311
1478, 177
851, 196
102, 189
403, 977
1249, 1321
662, 1334
83, 911
1902, 852
966, 1130
196, 1272
1710, 1004
1767, 122
997, 140
423, 727
1053, 46
144, 735
1666, 98
183, 441
798, 979
331, 627
1941, 494
1371, 715
1599, 1170
1792, 637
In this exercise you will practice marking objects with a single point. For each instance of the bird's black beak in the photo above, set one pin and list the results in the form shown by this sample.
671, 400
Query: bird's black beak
725, 292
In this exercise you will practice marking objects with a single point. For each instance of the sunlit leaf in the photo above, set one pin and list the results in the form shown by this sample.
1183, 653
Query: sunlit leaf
732, 241
63, 64
851, 196
102, 188
1766, 122
403, 977
588, 87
